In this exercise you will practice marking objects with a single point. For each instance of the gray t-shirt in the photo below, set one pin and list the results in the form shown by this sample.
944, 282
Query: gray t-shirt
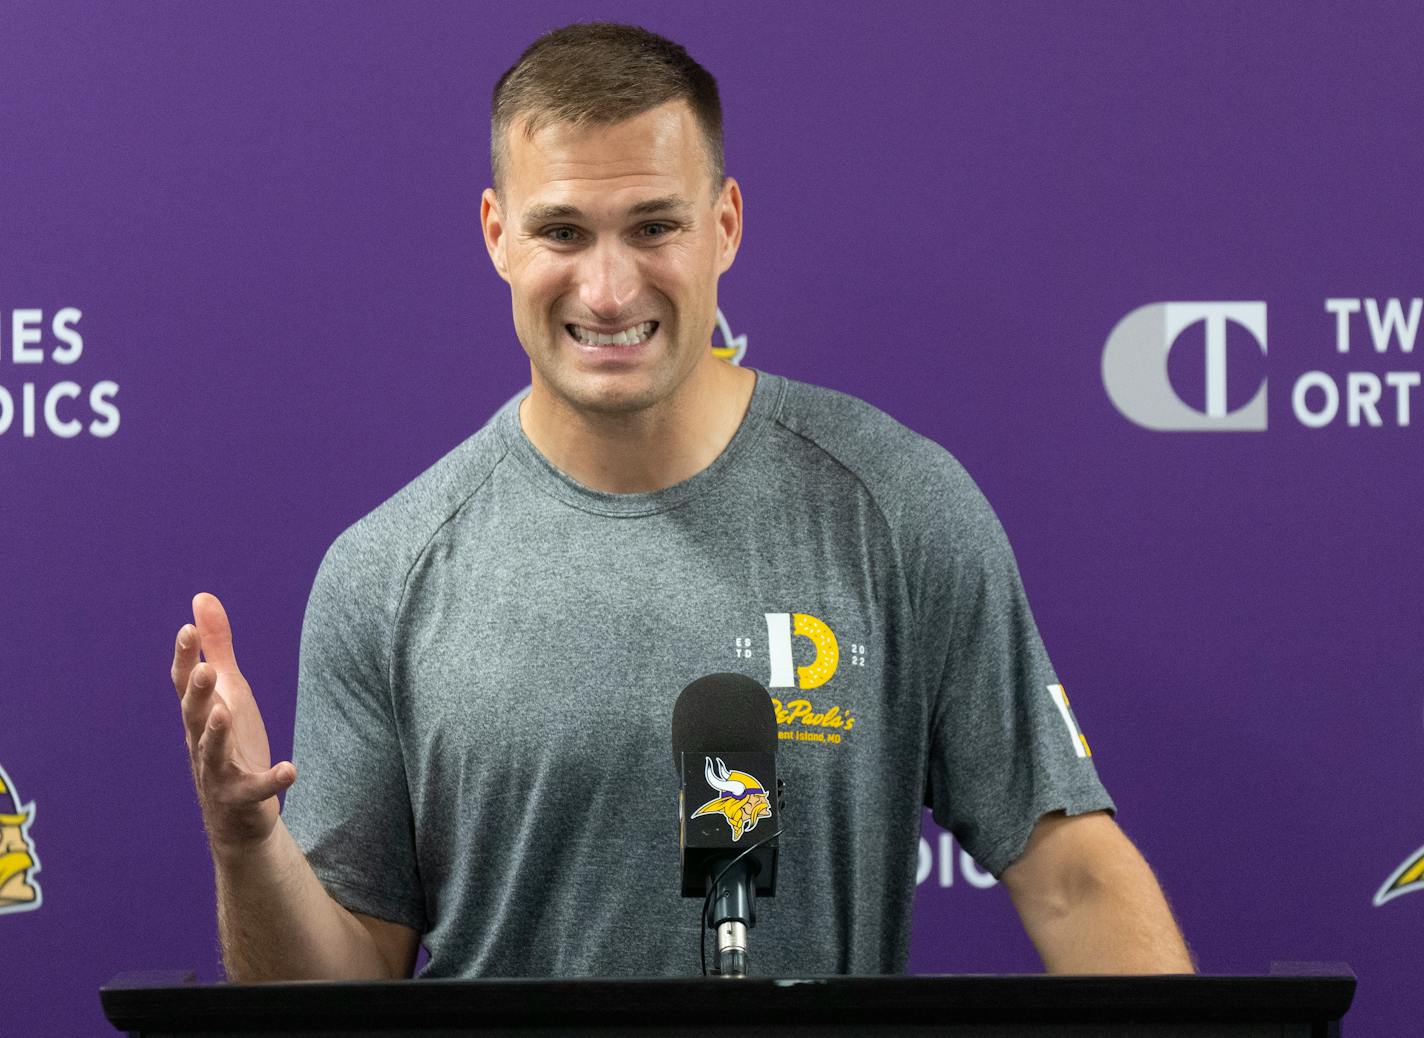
490, 659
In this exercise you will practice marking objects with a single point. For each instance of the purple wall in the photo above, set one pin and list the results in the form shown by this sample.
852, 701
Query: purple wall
267, 216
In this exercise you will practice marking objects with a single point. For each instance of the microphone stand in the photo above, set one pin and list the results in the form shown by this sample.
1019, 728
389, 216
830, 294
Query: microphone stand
732, 913
734, 891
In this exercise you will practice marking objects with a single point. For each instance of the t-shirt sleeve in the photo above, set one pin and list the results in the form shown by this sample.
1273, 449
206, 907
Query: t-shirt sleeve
349, 810
1005, 747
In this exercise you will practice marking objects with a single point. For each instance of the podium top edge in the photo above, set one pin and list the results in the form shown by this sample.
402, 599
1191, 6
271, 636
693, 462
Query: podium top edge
132, 1002
1280, 971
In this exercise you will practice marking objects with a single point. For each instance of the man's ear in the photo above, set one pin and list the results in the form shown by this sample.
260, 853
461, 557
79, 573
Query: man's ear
729, 224
496, 241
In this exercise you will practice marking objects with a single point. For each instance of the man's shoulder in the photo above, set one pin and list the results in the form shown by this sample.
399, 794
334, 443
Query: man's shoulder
391, 537
947, 533
897, 465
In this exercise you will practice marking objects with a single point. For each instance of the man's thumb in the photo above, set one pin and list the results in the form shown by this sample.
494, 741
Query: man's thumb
214, 631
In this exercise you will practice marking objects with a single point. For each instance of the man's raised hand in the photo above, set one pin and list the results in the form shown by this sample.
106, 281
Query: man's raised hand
227, 742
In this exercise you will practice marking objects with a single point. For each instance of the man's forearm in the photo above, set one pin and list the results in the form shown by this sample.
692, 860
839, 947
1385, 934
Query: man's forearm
1113, 920
277, 922
1089, 901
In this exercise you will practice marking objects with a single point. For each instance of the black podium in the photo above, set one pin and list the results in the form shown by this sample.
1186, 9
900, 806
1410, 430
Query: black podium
1297, 1000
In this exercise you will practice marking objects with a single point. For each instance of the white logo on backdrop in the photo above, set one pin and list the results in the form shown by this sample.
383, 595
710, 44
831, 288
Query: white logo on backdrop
1387, 326
1134, 367
35, 404
940, 861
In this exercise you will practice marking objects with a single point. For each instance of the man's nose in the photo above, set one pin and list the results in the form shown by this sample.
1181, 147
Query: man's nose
609, 279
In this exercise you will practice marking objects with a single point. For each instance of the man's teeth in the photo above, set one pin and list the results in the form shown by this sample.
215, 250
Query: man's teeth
627, 337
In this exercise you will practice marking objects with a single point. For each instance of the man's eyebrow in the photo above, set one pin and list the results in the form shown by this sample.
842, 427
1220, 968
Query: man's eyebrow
668, 205
671, 205
540, 213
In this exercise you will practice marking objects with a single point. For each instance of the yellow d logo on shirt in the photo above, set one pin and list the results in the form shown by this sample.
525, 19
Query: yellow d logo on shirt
779, 629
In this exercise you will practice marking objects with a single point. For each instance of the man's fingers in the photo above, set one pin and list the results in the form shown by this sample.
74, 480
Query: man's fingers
198, 701
216, 738
270, 782
215, 631
185, 658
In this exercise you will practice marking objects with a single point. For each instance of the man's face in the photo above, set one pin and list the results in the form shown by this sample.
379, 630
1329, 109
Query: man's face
613, 230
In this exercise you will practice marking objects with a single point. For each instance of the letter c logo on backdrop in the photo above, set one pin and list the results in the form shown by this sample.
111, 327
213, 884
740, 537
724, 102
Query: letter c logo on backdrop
1135, 366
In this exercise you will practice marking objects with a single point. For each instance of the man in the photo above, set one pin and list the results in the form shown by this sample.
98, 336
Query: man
489, 660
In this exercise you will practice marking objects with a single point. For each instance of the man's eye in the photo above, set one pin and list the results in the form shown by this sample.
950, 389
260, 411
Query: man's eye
563, 235
655, 230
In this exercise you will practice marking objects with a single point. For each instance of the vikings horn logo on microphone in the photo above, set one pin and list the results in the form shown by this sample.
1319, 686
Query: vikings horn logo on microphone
743, 802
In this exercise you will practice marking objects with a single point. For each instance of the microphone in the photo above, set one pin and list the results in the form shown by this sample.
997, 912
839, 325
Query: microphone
724, 750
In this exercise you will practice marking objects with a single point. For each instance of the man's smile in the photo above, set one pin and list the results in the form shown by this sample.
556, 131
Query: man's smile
633, 335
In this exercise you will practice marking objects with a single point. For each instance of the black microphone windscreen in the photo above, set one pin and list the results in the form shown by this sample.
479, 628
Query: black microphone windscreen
722, 713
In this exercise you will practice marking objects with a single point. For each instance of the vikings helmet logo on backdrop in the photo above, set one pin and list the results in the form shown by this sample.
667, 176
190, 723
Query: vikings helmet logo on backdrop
734, 347
18, 890
1406, 879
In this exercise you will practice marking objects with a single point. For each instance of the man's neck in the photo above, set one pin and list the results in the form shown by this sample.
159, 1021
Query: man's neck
645, 450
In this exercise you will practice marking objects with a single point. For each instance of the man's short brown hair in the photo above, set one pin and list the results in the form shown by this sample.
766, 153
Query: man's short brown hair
602, 72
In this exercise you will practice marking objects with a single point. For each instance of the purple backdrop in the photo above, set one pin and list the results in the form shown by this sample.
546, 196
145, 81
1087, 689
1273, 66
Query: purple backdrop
267, 218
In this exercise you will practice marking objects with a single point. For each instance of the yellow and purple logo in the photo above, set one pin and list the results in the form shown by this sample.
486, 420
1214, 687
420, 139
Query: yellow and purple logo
1406, 879
743, 801
734, 347
18, 890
